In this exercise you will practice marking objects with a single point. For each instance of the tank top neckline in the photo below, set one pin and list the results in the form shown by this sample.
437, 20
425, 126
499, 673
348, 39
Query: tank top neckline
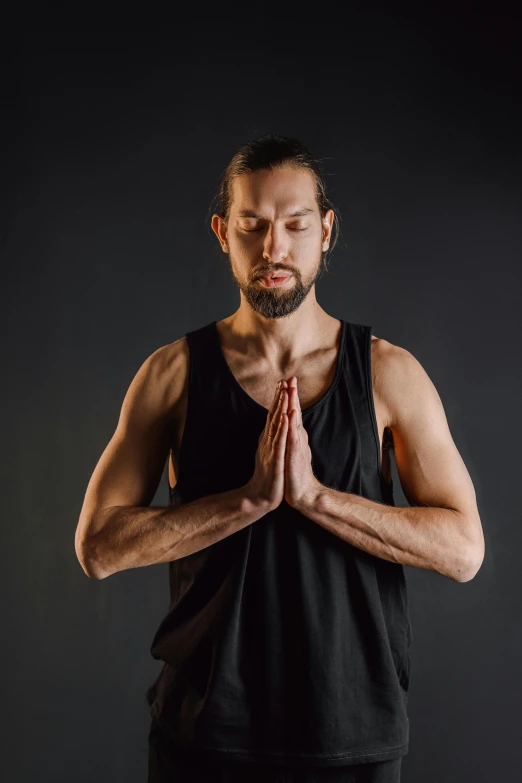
254, 403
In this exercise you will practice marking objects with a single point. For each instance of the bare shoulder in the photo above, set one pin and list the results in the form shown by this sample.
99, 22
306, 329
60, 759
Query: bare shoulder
399, 379
171, 356
168, 371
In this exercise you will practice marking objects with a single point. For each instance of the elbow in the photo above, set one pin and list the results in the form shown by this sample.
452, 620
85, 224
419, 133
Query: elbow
469, 567
87, 559
472, 551
473, 570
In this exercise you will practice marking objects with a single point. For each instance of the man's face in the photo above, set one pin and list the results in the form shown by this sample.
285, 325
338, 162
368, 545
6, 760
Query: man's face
274, 226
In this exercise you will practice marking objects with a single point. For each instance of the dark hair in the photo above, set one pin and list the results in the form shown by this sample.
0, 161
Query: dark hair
269, 152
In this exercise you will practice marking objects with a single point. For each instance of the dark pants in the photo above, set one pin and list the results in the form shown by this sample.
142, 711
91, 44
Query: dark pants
168, 765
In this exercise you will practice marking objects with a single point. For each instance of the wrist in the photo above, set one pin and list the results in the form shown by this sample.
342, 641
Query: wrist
252, 504
309, 501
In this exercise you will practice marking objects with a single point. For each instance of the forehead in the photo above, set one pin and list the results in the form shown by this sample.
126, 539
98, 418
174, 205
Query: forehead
277, 190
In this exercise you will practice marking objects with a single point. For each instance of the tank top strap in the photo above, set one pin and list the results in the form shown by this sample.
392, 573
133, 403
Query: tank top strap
205, 361
358, 376
356, 343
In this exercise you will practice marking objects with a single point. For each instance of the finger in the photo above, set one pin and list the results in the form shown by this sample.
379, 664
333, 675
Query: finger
294, 405
280, 440
275, 398
294, 433
298, 404
284, 401
281, 423
280, 386
274, 423
299, 416
273, 408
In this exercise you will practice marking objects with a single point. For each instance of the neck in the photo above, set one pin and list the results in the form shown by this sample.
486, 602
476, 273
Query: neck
281, 341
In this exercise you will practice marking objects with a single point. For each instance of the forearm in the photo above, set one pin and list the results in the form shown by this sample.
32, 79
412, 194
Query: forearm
132, 536
422, 537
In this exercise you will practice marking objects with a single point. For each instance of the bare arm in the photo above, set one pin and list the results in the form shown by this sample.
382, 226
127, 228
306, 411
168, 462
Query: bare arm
117, 528
441, 531
132, 536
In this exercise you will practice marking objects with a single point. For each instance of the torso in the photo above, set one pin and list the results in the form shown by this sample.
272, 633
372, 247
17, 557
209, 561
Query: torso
314, 378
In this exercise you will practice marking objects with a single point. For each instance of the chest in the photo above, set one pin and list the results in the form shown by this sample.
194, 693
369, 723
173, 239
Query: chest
259, 383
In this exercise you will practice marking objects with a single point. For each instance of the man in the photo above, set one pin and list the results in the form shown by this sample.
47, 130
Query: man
286, 644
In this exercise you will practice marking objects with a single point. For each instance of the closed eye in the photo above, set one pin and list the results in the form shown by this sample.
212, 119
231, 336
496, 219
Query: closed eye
251, 230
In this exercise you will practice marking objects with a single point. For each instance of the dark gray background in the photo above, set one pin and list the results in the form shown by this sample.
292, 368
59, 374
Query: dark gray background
113, 145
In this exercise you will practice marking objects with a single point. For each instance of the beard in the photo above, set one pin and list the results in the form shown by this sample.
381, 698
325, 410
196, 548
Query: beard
274, 303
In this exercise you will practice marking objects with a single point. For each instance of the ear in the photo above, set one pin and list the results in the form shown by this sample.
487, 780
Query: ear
327, 223
219, 227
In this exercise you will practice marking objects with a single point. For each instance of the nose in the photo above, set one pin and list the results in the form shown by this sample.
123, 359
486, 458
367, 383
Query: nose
275, 246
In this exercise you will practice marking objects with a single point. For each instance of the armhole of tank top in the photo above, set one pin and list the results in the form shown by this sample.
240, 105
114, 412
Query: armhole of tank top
371, 403
387, 487
190, 374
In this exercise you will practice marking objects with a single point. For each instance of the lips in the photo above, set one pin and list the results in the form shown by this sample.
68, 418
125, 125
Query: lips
276, 280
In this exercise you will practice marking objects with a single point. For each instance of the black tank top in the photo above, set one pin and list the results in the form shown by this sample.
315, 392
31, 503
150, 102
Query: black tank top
282, 642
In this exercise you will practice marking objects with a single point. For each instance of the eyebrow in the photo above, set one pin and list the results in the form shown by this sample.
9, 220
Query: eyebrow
297, 213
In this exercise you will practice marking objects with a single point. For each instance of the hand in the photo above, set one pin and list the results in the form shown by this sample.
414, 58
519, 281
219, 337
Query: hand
266, 487
301, 486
